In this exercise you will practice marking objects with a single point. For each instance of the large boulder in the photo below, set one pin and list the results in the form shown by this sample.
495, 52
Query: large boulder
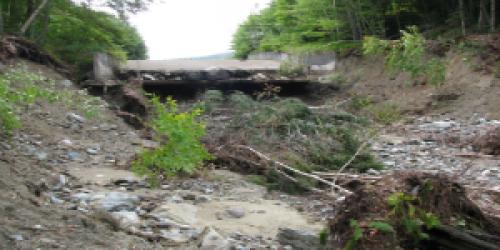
299, 239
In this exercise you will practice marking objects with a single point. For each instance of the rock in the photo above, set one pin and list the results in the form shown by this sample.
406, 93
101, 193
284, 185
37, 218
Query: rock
92, 151
116, 201
126, 219
41, 156
16, 237
75, 118
55, 200
189, 197
5, 146
213, 241
236, 212
178, 236
298, 239
63, 180
73, 156
489, 143
202, 199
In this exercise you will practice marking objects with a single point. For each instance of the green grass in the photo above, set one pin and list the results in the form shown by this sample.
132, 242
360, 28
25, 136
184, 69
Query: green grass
20, 88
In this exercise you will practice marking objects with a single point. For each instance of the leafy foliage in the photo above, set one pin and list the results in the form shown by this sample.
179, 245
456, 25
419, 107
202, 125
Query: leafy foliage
182, 152
407, 215
326, 25
74, 33
408, 55
356, 236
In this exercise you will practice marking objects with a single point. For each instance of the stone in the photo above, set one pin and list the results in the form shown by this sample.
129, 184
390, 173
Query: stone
16, 237
63, 180
298, 239
92, 151
489, 143
213, 241
237, 212
73, 156
175, 235
75, 118
117, 201
55, 200
126, 219
41, 156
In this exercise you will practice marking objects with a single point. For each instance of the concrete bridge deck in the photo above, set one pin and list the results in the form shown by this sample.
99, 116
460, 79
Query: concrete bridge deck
199, 65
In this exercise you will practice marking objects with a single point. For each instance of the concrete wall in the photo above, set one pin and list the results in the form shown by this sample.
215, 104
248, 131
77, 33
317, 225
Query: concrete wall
104, 67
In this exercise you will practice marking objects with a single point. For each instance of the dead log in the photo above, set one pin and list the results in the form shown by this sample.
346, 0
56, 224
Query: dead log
450, 238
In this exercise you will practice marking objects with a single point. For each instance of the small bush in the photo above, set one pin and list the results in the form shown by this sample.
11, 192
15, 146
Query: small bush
408, 55
182, 152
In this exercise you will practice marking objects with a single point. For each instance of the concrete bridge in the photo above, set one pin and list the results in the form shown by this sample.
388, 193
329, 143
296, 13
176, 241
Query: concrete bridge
182, 65
192, 76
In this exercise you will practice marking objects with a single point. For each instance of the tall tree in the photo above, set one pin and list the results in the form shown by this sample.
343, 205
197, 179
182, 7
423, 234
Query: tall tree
462, 16
493, 15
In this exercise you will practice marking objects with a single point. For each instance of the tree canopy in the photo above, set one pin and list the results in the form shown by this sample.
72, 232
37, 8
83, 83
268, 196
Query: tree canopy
74, 32
288, 25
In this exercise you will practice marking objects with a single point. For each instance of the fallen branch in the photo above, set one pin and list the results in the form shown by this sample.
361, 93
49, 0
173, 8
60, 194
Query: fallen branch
32, 17
282, 165
351, 160
328, 175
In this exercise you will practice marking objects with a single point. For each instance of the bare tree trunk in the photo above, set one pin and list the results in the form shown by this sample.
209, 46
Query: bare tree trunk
483, 15
32, 17
462, 16
1, 20
493, 15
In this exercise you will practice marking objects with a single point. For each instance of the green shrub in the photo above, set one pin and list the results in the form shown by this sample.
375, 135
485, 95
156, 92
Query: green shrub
408, 55
182, 152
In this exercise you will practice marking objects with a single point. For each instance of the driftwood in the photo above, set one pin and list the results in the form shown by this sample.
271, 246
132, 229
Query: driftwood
295, 171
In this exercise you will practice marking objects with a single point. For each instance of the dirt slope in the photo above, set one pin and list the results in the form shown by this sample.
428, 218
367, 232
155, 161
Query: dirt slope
465, 92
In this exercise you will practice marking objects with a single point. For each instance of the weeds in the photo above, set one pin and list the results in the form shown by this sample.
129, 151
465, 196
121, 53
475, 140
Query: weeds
20, 88
182, 151
386, 113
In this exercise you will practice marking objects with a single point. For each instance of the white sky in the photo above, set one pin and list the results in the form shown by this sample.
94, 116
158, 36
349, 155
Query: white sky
191, 28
